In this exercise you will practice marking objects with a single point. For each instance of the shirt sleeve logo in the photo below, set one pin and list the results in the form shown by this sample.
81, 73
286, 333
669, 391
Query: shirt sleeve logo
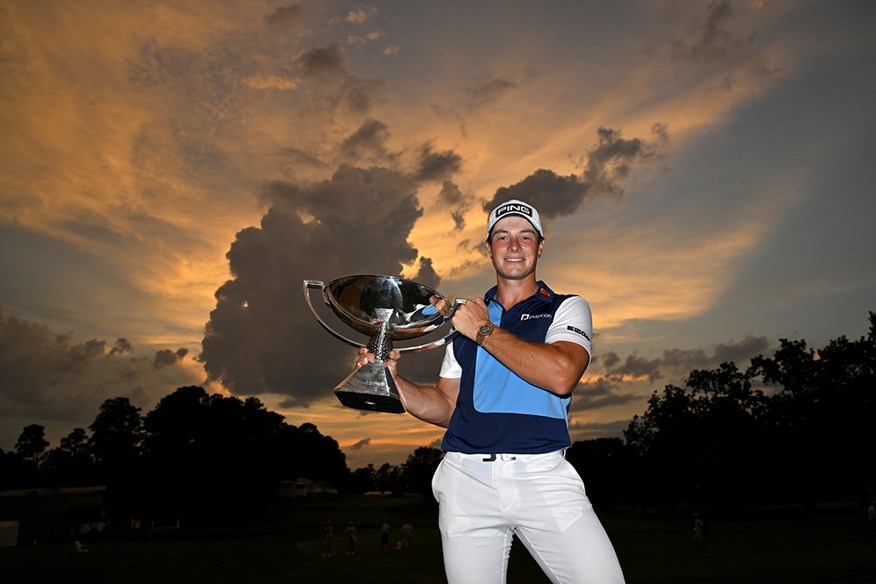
579, 331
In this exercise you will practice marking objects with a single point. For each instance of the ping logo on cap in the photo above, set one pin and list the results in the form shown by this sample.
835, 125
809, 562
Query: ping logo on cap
514, 208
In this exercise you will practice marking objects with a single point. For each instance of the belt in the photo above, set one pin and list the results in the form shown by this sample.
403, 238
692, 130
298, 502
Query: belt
493, 457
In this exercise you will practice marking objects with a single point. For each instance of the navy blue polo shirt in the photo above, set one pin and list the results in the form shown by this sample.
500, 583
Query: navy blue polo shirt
496, 410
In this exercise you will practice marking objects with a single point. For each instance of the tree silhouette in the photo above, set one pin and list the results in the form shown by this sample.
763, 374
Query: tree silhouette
70, 464
116, 434
416, 472
608, 468
32, 443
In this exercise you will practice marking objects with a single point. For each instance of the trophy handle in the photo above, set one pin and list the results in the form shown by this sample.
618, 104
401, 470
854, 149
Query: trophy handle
308, 284
439, 342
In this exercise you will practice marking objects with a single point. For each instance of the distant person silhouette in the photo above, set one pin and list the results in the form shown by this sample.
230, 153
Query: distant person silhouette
405, 536
384, 535
329, 532
871, 519
351, 538
699, 535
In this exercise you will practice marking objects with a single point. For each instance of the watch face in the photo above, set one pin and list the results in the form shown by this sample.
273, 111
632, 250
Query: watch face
486, 329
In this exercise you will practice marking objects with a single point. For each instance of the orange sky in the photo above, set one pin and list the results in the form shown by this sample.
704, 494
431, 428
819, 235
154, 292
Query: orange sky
722, 208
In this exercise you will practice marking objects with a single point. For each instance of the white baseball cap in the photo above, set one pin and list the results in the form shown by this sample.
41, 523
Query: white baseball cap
515, 207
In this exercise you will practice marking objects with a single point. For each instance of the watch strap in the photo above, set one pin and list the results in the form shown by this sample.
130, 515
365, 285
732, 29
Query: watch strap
483, 332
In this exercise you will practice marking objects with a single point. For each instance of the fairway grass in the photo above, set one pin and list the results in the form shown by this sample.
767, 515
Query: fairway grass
286, 546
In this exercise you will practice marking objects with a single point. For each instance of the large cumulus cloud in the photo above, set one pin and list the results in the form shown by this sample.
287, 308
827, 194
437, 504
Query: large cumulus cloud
261, 336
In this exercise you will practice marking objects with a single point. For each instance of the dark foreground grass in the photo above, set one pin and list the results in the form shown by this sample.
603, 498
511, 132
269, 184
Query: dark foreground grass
286, 546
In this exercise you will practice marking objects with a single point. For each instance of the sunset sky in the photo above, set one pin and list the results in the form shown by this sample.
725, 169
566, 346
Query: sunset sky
170, 173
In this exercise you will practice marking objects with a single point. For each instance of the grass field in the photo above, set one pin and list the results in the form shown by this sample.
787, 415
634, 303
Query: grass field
769, 547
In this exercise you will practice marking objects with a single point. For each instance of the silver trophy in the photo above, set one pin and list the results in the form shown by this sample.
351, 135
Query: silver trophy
385, 309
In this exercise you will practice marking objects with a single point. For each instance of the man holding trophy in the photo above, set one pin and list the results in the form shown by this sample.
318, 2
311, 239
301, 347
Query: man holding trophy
503, 393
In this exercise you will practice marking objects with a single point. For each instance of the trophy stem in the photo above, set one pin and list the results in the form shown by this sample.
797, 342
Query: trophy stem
380, 344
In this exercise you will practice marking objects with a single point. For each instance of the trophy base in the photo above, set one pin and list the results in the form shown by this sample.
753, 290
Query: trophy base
370, 387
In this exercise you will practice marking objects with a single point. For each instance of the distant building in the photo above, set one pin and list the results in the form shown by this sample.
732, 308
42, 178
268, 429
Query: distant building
303, 487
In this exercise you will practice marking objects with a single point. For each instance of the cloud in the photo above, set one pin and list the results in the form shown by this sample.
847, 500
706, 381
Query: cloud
600, 393
166, 357
322, 62
491, 89
437, 166
606, 165
121, 346
261, 336
359, 95
50, 376
452, 198
362, 40
367, 143
283, 16
714, 45
361, 15
674, 364
360, 444
633, 366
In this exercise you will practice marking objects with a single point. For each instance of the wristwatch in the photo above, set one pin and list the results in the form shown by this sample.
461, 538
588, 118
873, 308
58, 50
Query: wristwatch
483, 332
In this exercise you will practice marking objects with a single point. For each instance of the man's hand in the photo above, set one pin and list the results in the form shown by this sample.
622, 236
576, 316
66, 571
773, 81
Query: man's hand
391, 360
469, 317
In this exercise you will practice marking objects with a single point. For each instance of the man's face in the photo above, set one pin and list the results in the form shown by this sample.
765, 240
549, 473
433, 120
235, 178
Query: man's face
515, 248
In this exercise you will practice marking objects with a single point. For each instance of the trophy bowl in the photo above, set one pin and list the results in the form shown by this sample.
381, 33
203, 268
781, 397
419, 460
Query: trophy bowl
385, 309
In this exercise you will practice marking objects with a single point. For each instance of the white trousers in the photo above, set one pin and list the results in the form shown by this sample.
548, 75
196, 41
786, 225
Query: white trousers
540, 499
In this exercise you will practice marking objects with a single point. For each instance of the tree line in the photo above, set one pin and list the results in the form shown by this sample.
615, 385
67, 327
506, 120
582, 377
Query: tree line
795, 427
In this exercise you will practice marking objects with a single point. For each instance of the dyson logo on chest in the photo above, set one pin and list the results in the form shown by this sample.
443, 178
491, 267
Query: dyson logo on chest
533, 316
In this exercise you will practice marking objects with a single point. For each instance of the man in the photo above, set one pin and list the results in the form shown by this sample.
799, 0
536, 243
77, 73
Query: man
503, 394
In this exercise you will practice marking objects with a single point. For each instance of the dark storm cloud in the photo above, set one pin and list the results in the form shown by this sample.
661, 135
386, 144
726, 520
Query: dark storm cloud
491, 89
45, 375
360, 444
600, 393
714, 45
330, 86
121, 346
632, 365
166, 357
452, 198
367, 143
261, 336
33, 359
426, 274
677, 363
436, 166
610, 161
741, 352
284, 15
322, 62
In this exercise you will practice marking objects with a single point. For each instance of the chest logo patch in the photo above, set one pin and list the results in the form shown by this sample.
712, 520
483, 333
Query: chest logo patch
533, 316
